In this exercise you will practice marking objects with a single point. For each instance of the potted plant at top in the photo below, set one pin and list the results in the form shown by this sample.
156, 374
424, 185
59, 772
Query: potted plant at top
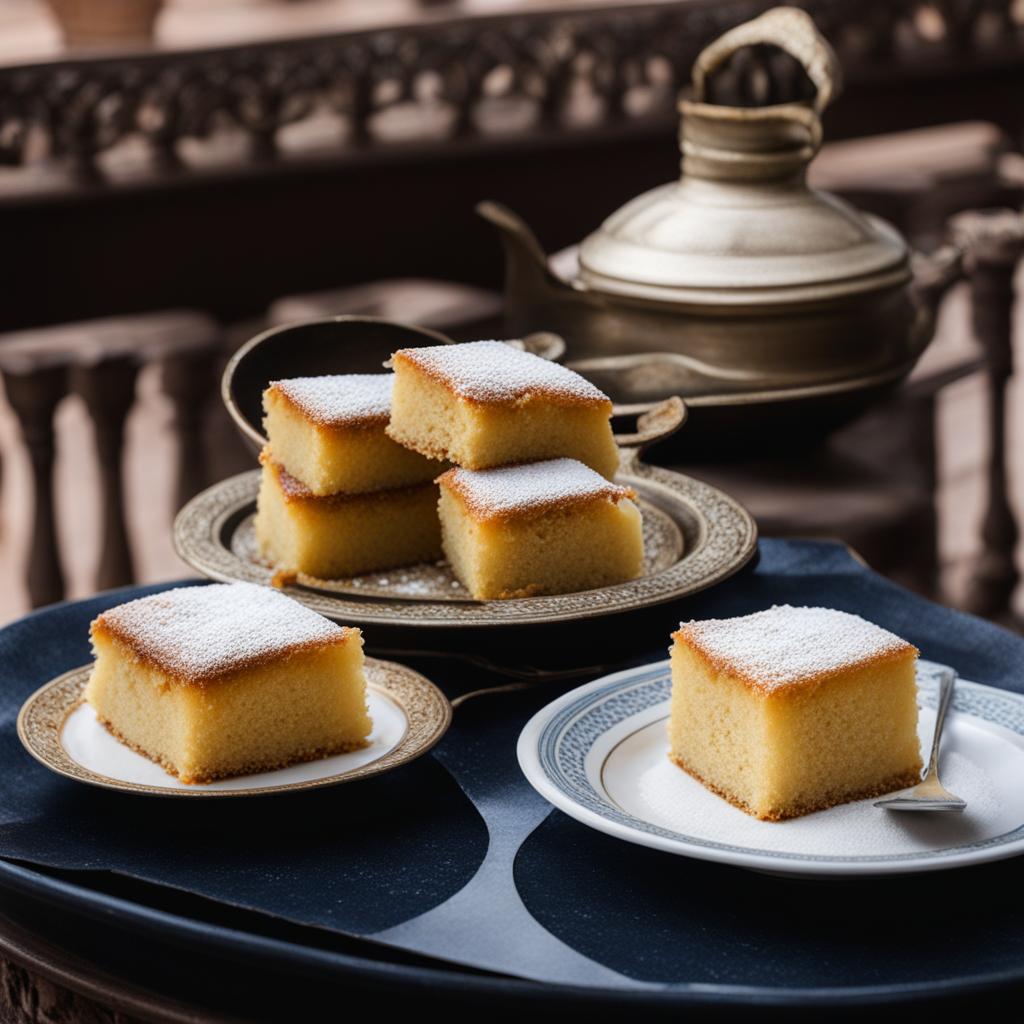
105, 22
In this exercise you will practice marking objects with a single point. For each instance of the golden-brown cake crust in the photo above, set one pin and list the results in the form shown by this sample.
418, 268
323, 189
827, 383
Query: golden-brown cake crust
198, 636
300, 758
528, 490
294, 490
493, 373
901, 781
785, 647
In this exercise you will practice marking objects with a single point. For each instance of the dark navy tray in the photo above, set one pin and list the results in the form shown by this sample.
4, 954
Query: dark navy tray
452, 876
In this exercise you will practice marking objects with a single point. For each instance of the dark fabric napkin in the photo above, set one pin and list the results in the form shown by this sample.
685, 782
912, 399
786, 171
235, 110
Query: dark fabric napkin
457, 857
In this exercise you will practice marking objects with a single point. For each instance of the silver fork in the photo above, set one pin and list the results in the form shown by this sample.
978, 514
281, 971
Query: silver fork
929, 794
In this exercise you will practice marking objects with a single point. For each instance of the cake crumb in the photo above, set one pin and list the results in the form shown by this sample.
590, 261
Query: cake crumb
283, 578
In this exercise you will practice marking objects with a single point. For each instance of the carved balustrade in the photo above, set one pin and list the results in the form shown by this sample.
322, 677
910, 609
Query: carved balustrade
562, 69
100, 361
993, 243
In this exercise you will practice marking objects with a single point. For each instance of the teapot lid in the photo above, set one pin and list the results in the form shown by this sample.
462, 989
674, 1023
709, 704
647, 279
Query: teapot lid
741, 225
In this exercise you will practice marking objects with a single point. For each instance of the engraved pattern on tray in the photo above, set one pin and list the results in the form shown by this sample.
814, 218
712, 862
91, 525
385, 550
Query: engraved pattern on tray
718, 537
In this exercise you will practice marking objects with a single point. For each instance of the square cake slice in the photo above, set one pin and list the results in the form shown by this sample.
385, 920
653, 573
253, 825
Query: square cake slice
484, 403
792, 710
343, 535
227, 679
328, 432
542, 528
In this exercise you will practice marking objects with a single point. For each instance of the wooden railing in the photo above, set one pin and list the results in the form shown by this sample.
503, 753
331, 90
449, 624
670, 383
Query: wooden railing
100, 361
456, 78
993, 241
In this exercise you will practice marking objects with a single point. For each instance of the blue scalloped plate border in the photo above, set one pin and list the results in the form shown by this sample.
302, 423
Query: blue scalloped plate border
554, 746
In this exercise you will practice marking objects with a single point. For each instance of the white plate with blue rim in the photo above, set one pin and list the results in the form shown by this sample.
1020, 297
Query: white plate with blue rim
600, 754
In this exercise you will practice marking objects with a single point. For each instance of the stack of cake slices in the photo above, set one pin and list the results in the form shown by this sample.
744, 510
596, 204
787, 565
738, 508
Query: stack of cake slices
529, 507
351, 470
338, 497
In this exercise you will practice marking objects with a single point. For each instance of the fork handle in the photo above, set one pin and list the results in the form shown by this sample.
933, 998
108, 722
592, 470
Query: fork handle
947, 681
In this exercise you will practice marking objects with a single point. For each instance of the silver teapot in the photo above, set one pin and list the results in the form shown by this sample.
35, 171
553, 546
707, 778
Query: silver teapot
769, 306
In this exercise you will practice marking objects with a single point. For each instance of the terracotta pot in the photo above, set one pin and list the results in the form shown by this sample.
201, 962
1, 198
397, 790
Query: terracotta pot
106, 22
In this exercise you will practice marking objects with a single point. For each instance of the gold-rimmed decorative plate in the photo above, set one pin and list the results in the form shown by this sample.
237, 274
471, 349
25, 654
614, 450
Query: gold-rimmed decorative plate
694, 536
410, 714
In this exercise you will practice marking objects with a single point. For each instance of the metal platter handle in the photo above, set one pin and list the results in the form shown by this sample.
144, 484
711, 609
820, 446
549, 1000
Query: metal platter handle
654, 424
791, 30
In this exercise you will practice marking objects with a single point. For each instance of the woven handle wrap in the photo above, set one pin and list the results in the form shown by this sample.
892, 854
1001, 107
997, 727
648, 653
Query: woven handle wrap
791, 30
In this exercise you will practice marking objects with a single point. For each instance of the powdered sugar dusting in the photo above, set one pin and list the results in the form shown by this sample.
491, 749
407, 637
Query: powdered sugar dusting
491, 371
198, 633
349, 399
497, 493
785, 645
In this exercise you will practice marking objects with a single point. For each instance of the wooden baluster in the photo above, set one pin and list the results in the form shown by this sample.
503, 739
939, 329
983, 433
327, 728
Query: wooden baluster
108, 388
101, 360
993, 242
34, 396
189, 381
919, 424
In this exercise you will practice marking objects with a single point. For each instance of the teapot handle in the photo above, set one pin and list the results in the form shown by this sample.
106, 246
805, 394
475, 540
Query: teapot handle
933, 275
791, 30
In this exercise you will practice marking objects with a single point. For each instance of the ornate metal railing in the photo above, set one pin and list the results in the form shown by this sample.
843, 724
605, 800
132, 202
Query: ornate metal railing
562, 69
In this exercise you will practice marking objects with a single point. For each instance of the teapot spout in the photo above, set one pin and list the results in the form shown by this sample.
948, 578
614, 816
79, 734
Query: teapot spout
529, 281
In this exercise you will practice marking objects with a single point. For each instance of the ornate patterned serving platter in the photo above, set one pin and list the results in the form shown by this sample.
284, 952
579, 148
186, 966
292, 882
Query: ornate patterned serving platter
599, 753
410, 714
694, 535
434, 581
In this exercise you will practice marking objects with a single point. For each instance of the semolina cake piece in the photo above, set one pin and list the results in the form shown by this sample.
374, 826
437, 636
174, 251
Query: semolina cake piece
343, 535
792, 710
484, 403
541, 528
328, 432
227, 679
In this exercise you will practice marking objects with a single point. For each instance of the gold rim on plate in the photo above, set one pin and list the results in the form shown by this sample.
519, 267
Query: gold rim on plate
718, 535
427, 712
